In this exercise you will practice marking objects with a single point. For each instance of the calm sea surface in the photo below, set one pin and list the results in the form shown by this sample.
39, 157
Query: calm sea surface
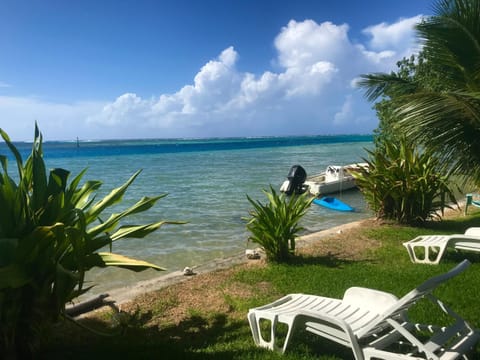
207, 182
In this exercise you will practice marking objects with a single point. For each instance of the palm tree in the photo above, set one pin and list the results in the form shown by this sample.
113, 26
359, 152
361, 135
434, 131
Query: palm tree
444, 117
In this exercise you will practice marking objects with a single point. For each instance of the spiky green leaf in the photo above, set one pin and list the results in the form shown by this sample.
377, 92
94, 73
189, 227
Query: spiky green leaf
104, 259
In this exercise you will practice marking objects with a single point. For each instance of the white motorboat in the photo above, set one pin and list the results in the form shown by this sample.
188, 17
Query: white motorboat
333, 180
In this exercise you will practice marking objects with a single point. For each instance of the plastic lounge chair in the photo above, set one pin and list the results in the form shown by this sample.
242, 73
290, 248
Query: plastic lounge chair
471, 199
370, 322
433, 246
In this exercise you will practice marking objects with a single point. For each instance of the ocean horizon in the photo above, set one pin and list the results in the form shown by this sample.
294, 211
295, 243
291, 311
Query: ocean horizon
207, 181
79, 147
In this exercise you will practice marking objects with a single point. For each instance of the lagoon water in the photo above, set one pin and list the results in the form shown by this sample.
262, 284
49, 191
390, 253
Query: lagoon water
207, 182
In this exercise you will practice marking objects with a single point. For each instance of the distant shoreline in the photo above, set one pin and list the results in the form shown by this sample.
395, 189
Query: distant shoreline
76, 140
91, 148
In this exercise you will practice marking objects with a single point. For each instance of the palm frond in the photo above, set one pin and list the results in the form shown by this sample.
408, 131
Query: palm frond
379, 84
448, 124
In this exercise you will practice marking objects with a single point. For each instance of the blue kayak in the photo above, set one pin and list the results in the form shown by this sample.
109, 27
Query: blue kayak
333, 203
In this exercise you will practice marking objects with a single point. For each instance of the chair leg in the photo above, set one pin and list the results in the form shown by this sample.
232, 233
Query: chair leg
427, 250
291, 330
441, 251
254, 320
273, 339
254, 328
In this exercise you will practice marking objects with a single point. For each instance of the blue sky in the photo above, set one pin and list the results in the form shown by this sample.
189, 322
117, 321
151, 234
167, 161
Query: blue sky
196, 68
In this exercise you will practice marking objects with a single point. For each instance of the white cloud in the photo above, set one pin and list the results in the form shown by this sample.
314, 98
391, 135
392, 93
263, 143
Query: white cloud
398, 35
310, 91
56, 120
302, 44
122, 111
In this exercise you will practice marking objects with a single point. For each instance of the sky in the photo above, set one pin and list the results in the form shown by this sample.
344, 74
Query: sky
127, 69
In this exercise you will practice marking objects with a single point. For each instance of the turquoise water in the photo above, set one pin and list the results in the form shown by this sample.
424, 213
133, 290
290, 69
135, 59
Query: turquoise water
207, 183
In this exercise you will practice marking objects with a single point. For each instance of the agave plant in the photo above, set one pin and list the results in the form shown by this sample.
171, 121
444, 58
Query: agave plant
275, 225
51, 233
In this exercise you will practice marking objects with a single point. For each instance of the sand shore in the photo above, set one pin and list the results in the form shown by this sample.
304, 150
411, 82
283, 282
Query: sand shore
125, 294
128, 293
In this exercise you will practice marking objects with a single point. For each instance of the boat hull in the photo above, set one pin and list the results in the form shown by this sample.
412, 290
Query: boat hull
323, 188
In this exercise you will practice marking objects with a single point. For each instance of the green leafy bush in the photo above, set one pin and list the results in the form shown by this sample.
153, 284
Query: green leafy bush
404, 184
51, 233
275, 225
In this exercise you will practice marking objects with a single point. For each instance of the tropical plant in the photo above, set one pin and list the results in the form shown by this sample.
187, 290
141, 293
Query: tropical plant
51, 233
413, 73
445, 117
403, 184
275, 225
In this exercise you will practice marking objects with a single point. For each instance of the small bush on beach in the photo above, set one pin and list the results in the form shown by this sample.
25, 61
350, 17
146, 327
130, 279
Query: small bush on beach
403, 184
51, 233
275, 225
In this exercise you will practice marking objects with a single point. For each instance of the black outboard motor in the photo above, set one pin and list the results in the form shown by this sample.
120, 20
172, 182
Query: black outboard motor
296, 177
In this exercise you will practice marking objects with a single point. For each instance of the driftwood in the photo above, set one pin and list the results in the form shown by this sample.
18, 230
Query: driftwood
88, 305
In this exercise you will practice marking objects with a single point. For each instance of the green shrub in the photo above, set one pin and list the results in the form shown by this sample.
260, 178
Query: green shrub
51, 233
404, 184
275, 225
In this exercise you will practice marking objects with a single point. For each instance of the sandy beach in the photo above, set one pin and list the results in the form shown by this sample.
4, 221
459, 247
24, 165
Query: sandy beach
125, 294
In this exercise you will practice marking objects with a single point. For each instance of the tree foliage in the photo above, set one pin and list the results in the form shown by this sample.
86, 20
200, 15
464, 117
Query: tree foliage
432, 102
437, 104
391, 91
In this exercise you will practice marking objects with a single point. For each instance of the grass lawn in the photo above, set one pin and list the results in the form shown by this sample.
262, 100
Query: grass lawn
205, 317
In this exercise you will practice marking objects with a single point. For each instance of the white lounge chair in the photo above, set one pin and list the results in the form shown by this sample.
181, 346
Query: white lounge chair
432, 247
369, 322
472, 199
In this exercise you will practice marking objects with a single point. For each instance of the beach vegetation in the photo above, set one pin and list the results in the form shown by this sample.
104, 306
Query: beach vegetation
435, 103
275, 224
404, 184
52, 231
432, 103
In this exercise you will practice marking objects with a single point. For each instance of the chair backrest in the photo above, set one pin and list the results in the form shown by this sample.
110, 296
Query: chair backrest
369, 299
473, 231
397, 310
